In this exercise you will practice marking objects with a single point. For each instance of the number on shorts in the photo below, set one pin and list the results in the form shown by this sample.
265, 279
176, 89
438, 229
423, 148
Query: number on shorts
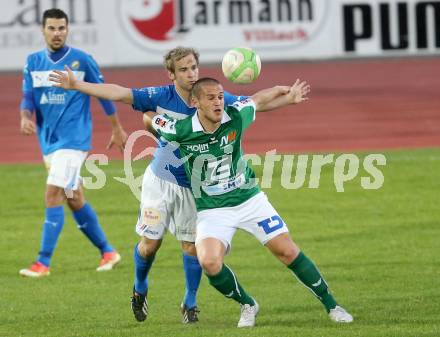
272, 224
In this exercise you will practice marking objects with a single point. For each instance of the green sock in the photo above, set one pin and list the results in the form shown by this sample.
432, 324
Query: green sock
306, 271
226, 283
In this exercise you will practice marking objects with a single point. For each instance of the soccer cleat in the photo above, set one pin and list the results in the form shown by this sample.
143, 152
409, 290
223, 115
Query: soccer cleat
248, 314
190, 315
139, 305
36, 270
108, 261
340, 315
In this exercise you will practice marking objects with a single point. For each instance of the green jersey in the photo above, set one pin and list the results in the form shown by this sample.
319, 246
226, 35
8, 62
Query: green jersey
214, 163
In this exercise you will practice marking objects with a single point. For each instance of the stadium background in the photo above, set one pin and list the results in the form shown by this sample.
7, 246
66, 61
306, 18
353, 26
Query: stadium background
374, 69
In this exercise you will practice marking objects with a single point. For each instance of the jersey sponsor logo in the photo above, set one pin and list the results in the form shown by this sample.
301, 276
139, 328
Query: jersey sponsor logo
150, 216
161, 122
231, 136
151, 91
43, 99
185, 231
242, 104
75, 65
157, 24
218, 169
145, 229
41, 78
202, 148
225, 186
164, 124
52, 98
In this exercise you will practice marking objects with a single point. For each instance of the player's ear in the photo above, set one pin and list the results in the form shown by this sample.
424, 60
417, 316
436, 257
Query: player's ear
171, 76
194, 101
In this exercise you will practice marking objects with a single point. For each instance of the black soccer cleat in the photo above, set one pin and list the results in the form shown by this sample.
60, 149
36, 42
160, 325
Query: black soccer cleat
190, 315
139, 305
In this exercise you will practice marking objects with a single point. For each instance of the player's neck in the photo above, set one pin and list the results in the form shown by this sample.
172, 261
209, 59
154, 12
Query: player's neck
184, 94
208, 125
62, 49
57, 54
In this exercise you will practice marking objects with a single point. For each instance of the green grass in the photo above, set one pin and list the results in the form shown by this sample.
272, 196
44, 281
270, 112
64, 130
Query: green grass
378, 249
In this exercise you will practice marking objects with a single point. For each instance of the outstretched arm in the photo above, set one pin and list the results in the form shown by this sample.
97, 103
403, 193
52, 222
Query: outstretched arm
113, 92
279, 96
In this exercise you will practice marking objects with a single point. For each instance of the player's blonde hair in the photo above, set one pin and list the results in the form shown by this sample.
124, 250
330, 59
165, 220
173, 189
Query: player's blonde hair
176, 54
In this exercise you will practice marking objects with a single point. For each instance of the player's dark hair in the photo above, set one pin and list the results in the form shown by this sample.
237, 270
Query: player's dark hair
197, 87
176, 54
54, 13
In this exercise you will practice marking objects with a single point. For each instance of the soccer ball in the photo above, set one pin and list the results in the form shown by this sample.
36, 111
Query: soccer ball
241, 65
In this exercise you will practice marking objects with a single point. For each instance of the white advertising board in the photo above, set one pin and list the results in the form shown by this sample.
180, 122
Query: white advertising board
137, 32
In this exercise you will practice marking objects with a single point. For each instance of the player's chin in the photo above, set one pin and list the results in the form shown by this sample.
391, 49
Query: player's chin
56, 45
217, 115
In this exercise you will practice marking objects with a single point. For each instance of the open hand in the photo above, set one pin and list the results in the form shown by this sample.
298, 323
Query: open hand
63, 79
118, 138
298, 92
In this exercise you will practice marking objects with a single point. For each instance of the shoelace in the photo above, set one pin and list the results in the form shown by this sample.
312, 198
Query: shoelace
138, 301
247, 311
192, 313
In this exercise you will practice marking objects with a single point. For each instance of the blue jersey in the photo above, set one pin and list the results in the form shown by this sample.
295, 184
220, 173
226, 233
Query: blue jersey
63, 116
165, 100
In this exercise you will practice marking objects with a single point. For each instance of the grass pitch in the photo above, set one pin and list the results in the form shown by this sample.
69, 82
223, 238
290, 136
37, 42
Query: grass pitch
378, 249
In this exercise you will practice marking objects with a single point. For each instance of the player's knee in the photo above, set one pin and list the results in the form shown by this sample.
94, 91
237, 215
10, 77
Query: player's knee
211, 266
211, 263
54, 196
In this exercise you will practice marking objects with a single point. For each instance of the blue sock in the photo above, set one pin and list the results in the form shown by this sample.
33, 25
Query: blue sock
53, 224
193, 274
141, 268
88, 224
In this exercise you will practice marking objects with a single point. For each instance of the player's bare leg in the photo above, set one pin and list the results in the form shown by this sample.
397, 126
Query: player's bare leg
308, 274
144, 254
211, 252
189, 248
193, 275
76, 200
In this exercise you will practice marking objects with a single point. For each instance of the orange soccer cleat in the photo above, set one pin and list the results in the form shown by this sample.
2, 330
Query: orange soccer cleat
108, 261
37, 269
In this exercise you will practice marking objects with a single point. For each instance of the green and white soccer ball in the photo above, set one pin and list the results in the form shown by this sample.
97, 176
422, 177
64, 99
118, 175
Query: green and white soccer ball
241, 65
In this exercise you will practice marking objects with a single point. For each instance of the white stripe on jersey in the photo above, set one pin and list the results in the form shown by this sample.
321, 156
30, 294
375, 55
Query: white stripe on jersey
41, 78
172, 114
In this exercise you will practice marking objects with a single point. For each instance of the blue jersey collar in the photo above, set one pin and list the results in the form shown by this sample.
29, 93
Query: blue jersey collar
57, 55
